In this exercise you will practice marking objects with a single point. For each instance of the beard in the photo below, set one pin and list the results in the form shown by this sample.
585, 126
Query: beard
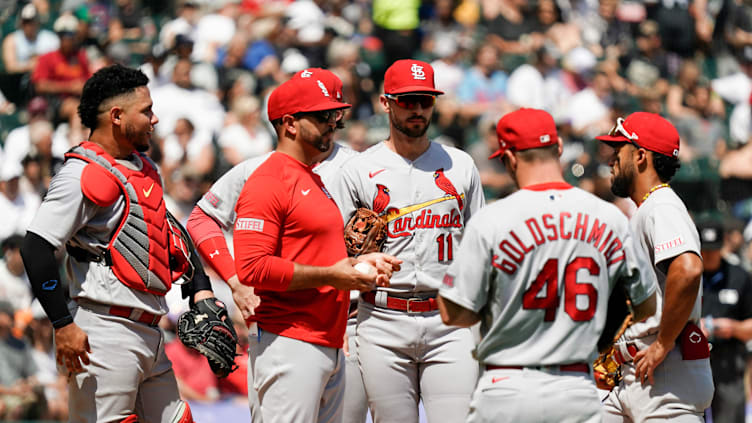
412, 130
620, 184
319, 142
140, 140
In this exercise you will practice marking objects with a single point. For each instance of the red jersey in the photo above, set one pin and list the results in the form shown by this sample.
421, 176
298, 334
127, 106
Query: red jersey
53, 66
286, 216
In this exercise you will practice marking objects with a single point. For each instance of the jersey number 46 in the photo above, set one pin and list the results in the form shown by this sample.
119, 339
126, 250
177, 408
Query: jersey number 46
547, 282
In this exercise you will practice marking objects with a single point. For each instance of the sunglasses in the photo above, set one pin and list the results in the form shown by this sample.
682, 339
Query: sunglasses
619, 130
411, 101
323, 116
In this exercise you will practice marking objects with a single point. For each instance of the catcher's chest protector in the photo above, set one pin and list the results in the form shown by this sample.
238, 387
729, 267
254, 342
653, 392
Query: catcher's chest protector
139, 246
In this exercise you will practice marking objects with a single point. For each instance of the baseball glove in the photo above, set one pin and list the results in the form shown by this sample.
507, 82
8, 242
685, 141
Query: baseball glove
606, 368
365, 232
207, 328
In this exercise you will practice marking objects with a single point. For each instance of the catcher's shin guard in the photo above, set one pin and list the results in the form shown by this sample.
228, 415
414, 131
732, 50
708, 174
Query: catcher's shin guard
182, 414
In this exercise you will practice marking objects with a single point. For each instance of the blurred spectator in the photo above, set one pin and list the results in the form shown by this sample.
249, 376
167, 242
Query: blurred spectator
39, 332
396, 25
22, 47
20, 396
183, 190
184, 23
512, 29
181, 99
648, 70
19, 142
16, 208
682, 95
589, 109
215, 29
187, 147
152, 67
727, 322
60, 74
126, 21
736, 181
247, 137
14, 284
483, 88
677, 25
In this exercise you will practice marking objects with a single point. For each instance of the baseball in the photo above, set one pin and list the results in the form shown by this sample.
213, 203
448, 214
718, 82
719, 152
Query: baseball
364, 267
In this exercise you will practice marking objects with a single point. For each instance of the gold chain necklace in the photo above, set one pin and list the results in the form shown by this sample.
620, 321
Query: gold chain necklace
652, 190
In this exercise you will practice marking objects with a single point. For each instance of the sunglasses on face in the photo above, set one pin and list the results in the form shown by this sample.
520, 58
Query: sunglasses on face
323, 116
619, 130
411, 101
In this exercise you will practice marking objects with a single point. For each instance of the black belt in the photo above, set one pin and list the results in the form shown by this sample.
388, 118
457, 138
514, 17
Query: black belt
79, 254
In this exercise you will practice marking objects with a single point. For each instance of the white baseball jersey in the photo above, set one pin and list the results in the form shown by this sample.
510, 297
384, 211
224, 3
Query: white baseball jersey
219, 202
664, 230
427, 203
539, 267
65, 215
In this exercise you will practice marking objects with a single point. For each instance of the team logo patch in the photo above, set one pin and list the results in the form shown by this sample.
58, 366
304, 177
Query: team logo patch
323, 88
669, 244
448, 280
211, 198
545, 139
417, 71
249, 224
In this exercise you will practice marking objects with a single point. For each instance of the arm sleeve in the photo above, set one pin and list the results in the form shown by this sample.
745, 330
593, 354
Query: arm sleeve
346, 197
220, 201
672, 233
466, 282
210, 243
41, 267
257, 235
635, 272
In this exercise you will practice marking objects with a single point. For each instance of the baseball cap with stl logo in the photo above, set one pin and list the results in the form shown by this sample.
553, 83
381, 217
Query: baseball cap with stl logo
524, 129
330, 80
301, 95
647, 130
410, 76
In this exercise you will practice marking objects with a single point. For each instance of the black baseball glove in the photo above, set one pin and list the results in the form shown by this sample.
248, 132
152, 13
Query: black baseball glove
207, 328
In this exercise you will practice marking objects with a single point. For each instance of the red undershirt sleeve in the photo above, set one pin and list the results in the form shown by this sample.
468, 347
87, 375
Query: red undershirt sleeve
261, 211
210, 243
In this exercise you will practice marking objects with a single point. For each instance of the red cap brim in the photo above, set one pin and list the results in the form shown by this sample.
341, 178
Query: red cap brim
612, 138
327, 105
416, 89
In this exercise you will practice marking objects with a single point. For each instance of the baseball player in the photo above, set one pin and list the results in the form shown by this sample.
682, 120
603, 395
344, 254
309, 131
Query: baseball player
106, 207
537, 268
289, 245
427, 192
666, 370
216, 211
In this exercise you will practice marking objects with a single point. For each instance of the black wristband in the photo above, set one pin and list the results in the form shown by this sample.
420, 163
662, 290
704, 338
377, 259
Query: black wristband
39, 261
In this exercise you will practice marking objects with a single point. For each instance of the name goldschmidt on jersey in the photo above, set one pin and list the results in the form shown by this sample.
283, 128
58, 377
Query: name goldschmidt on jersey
548, 227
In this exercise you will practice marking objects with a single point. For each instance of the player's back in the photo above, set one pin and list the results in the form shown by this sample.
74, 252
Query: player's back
555, 253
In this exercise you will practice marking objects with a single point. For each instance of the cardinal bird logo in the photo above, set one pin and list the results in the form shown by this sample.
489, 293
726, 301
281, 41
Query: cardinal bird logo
382, 199
446, 185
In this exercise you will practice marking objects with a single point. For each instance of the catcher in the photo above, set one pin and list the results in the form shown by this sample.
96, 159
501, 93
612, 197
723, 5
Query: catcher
106, 207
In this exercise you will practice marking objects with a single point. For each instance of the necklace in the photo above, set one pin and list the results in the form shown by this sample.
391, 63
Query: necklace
652, 190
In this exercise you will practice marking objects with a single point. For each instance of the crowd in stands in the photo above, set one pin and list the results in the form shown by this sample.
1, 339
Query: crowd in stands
212, 64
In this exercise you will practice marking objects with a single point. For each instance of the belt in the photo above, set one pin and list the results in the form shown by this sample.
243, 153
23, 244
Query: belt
410, 305
576, 367
135, 314
630, 350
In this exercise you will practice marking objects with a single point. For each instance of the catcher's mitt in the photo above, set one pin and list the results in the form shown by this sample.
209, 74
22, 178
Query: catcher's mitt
207, 328
365, 232
606, 368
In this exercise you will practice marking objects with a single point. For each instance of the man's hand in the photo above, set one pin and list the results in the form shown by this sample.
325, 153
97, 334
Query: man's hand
723, 327
385, 266
72, 344
345, 277
346, 346
244, 297
648, 359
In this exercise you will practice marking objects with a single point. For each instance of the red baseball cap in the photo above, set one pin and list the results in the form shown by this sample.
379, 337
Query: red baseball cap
524, 129
301, 95
410, 76
648, 130
330, 80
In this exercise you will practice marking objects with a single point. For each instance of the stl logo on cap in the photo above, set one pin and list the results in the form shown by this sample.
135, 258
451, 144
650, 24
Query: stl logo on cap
417, 71
306, 74
323, 88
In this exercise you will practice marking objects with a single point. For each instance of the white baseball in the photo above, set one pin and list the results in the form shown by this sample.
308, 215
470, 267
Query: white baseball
364, 267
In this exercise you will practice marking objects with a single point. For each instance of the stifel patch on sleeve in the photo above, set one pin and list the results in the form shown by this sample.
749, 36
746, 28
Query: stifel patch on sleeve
249, 224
